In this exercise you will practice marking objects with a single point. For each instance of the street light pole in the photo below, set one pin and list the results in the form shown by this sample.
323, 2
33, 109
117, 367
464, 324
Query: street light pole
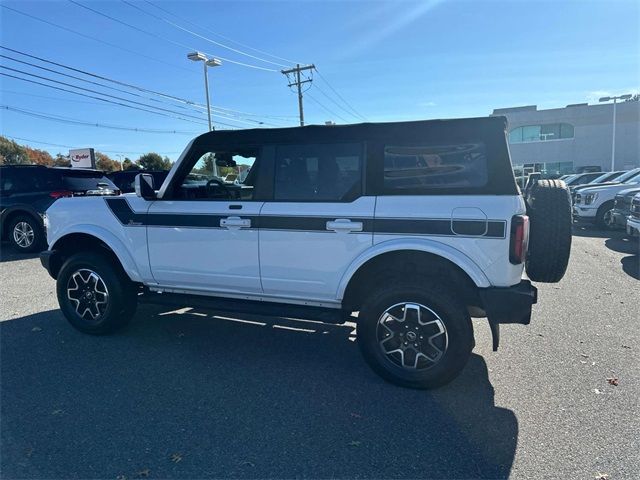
206, 90
207, 62
613, 139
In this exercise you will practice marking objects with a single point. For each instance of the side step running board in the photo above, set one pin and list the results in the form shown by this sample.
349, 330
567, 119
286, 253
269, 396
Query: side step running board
269, 309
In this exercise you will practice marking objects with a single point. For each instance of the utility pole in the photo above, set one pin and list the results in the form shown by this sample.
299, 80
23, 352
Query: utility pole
298, 83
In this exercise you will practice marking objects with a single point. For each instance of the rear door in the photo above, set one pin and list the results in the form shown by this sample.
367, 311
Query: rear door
318, 221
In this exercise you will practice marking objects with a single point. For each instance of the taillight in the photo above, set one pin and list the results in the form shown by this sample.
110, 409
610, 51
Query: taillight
519, 239
60, 194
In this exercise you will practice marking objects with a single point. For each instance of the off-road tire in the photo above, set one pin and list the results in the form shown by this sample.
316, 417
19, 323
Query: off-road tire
122, 293
38, 241
442, 302
549, 210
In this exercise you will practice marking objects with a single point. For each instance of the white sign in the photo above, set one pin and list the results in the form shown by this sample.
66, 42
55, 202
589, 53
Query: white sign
82, 158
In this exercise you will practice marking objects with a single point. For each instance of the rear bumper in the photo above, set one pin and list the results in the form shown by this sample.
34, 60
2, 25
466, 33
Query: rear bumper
509, 304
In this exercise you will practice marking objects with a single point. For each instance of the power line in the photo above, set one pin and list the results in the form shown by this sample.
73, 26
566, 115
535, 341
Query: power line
223, 111
109, 96
340, 96
331, 112
72, 147
336, 103
138, 54
160, 37
290, 62
72, 121
173, 24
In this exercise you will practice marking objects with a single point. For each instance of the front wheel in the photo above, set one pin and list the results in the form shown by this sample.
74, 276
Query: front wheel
415, 335
95, 295
604, 216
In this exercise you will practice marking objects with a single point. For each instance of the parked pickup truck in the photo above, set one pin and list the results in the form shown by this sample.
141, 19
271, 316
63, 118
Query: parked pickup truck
416, 226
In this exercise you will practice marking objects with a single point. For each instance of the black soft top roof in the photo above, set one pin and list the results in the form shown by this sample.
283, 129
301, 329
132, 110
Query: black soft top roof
486, 129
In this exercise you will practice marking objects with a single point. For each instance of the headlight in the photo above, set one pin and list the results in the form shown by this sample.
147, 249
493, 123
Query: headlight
578, 198
589, 198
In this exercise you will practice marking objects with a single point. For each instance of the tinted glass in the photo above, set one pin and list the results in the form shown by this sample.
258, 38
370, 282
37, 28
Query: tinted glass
318, 172
28, 180
83, 181
434, 167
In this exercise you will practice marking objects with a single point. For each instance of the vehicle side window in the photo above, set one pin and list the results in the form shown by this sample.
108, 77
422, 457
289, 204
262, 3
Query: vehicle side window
417, 168
323, 173
221, 175
6, 180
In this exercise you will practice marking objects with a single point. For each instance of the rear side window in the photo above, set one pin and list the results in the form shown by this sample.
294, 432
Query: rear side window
327, 173
31, 180
417, 168
81, 182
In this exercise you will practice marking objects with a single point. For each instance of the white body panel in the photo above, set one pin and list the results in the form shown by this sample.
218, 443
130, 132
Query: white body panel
288, 265
219, 257
91, 216
310, 262
489, 255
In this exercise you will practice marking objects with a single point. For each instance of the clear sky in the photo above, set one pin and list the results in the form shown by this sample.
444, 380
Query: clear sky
390, 60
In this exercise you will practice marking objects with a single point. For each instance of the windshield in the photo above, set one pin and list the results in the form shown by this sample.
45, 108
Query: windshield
633, 179
606, 177
628, 175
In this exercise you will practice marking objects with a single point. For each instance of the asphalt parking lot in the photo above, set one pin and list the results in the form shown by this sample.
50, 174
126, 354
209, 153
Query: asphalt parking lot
190, 394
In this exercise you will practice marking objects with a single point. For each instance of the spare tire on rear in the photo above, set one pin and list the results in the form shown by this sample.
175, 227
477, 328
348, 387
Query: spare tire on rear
549, 210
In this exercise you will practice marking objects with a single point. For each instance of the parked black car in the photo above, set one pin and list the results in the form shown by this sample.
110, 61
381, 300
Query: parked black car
125, 179
26, 191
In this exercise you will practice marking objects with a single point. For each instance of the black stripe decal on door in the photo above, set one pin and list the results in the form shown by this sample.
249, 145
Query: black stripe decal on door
442, 227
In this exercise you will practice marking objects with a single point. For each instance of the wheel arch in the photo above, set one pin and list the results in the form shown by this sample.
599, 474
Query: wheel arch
418, 253
91, 238
11, 212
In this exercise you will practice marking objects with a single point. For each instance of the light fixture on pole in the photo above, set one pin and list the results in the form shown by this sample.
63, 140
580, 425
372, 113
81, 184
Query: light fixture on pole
208, 62
613, 140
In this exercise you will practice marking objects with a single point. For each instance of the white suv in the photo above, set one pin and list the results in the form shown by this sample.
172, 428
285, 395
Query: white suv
417, 226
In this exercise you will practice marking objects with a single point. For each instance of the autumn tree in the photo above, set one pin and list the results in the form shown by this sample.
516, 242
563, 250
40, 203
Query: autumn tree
12, 153
61, 161
127, 164
105, 163
39, 157
153, 161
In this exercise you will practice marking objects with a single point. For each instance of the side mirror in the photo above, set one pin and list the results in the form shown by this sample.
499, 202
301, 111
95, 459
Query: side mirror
144, 186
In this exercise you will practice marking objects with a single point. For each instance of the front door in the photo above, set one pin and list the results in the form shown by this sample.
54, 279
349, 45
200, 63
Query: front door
202, 234
317, 222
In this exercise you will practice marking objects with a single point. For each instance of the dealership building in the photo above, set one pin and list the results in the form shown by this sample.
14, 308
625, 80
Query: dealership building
564, 140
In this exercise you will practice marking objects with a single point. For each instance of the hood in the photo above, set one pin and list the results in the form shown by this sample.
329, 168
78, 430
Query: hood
589, 185
616, 187
630, 191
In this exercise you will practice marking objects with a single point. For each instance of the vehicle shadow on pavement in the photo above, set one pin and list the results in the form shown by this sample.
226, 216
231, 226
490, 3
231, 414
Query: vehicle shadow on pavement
186, 394
630, 264
8, 254
595, 232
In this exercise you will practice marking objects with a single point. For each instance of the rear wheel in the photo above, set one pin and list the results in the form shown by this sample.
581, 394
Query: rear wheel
94, 295
26, 235
415, 334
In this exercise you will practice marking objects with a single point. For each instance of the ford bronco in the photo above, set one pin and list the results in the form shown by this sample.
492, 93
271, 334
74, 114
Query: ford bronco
412, 227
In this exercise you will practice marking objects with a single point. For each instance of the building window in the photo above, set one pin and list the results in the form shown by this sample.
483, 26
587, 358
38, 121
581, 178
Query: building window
541, 133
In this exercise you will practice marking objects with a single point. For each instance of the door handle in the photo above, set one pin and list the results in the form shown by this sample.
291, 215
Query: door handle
235, 222
344, 225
